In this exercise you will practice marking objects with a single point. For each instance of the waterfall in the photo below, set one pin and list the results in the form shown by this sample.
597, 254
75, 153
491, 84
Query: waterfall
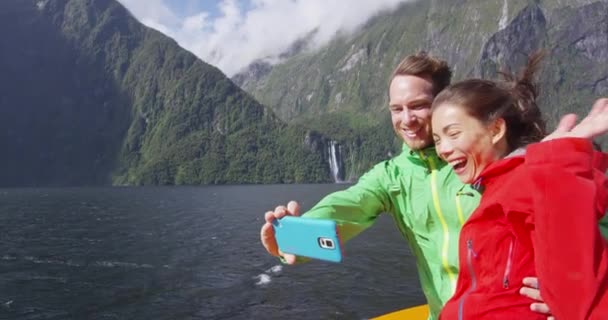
502, 23
335, 161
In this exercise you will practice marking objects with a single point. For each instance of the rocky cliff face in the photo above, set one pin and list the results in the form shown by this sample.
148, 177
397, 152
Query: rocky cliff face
512, 45
575, 39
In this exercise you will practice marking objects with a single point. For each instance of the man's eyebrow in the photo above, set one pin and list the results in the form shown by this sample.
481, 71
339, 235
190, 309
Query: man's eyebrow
413, 102
425, 100
421, 102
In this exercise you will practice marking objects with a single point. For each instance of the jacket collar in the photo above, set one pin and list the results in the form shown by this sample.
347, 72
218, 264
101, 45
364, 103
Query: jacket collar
422, 157
498, 168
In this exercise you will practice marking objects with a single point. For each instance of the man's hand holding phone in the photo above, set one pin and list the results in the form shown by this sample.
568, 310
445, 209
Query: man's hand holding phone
267, 234
286, 235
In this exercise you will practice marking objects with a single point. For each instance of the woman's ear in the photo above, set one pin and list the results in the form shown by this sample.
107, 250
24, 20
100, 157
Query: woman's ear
499, 130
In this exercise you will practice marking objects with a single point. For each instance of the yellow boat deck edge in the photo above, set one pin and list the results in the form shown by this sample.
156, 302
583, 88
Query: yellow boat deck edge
414, 313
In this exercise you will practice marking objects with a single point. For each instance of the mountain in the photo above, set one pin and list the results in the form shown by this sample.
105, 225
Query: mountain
89, 96
340, 89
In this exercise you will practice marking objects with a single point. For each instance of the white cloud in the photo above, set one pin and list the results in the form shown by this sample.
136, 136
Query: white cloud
152, 10
236, 37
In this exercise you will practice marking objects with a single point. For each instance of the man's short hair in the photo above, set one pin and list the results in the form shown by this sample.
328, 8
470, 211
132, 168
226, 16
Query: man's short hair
423, 65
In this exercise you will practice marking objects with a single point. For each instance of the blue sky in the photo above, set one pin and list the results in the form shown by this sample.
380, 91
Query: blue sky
184, 8
231, 34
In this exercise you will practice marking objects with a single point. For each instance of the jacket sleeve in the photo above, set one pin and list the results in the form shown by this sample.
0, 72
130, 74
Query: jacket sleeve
569, 197
356, 208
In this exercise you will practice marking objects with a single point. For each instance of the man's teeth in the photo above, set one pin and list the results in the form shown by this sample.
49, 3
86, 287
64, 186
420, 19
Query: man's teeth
411, 133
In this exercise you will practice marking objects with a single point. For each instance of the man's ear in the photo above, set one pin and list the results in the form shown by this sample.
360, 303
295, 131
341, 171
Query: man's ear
499, 130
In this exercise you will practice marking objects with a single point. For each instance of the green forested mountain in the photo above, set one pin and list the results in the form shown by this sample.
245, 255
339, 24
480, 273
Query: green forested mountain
89, 96
341, 89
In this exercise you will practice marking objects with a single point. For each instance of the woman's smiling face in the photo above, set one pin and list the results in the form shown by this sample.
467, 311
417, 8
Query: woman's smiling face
464, 142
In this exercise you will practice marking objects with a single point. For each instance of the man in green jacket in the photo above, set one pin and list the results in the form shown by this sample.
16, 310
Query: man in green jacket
427, 201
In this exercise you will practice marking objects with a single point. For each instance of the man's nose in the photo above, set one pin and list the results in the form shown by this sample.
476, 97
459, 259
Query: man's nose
408, 116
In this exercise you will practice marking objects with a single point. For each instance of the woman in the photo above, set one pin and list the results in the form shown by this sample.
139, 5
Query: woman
539, 208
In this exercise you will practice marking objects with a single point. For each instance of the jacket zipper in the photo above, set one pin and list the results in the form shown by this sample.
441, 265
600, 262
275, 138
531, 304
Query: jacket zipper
470, 255
459, 206
446, 231
425, 159
505, 278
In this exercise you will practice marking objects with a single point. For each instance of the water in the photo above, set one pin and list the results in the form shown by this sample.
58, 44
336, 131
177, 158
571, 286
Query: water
184, 253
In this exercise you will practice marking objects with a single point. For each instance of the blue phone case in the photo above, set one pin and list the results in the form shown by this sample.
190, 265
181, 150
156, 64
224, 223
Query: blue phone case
312, 238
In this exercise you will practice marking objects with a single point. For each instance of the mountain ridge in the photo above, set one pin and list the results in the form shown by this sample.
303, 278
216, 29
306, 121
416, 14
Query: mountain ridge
96, 98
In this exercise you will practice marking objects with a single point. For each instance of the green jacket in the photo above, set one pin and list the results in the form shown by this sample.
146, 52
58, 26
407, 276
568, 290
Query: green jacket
429, 205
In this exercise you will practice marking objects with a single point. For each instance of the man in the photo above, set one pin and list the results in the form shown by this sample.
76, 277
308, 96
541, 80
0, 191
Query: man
426, 199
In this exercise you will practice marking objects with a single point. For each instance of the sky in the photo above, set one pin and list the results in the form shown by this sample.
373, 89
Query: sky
230, 34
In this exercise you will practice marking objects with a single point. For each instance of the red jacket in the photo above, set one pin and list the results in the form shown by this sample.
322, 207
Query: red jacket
538, 216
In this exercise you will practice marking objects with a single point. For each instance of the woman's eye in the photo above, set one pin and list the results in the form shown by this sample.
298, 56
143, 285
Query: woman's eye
453, 134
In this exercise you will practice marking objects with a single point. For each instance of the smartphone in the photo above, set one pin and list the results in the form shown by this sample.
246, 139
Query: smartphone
307, 237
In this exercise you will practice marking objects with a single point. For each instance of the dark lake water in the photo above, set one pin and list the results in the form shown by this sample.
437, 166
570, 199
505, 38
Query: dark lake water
184, 253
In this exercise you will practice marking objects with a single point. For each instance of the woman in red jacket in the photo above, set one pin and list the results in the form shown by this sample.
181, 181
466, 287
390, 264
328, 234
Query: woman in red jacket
540, 205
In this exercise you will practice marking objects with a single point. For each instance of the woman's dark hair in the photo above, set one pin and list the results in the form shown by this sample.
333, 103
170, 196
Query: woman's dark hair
513, 99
